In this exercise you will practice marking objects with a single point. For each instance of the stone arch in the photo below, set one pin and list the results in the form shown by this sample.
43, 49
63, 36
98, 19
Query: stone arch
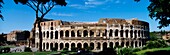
98, 33
111, 44
73, 46
104, 45
61, 33
51, 34
56, 34
121, 33
111, 33
47, 45
56, 45
79, 45
92, 45
91, 33
61, 46
51, 46
116, 44
131, 33
127, 35
78, 33
116, 32
135, 32
122, 44
85, 45
67, 33
98, 45
66, 45
47, 34
139, 33
72, 33
85, 33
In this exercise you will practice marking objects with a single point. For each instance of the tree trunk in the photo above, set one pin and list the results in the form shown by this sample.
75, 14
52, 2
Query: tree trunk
40, 34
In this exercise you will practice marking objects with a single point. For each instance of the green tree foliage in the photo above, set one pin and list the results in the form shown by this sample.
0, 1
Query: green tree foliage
41, 8
108, 51
159, 9
155, 44
27, 49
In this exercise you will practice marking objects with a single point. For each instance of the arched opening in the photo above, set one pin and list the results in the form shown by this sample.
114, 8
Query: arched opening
139, 33
139, 44
98, 45
56, 46
127, 44
110, 33
67, 33
78, 33
72, 33
47, 45
116, 32
85, 45
98, 33
132, 44
104, 45
92, 46
79, 45
51, 23
121, 33
61, 46
44, 34
51, 34
111, 44
91, 33
56, 34
135, 32
51, 46
121, 26
51, 28
85, 32
131, 33
105, 33
37, 45
47, 34
116, 44
67, 45
142, 33
127, 33
72, 46
122, 44
43, 45
61, 33
136, 44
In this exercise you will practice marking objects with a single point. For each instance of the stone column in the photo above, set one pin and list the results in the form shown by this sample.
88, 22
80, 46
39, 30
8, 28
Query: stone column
59, 34
95, 33
113, 34
69, 47
82, 34
70, 33
129, 34
133, 34
124, 33
88, 35
76, 34
119, 33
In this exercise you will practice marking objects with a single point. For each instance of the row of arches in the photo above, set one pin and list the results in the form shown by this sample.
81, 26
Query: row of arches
92, 33
93, 46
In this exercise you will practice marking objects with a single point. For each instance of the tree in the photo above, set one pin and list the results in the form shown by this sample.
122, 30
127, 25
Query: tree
41, 8
1, 2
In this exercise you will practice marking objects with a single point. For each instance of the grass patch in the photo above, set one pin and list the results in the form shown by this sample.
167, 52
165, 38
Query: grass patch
142, 52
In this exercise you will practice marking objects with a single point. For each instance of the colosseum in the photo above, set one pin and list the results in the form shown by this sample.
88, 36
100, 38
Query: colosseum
107, 32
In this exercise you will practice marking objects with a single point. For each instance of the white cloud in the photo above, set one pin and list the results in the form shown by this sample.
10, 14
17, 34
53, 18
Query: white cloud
61, 14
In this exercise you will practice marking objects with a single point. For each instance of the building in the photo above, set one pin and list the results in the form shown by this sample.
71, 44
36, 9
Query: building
97, 35
18, 36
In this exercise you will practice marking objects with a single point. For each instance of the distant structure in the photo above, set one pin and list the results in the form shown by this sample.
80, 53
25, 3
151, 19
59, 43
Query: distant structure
105, 33
18, 36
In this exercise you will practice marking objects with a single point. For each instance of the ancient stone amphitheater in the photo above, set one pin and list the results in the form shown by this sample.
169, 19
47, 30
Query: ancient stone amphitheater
105, 33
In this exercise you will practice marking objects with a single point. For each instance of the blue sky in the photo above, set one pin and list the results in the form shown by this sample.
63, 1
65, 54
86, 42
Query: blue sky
21, 17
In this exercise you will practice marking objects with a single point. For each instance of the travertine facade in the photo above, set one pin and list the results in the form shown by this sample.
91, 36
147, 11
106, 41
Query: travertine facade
98, 35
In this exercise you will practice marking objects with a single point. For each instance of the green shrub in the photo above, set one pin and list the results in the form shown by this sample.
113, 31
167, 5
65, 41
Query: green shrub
155, 44
27, 49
